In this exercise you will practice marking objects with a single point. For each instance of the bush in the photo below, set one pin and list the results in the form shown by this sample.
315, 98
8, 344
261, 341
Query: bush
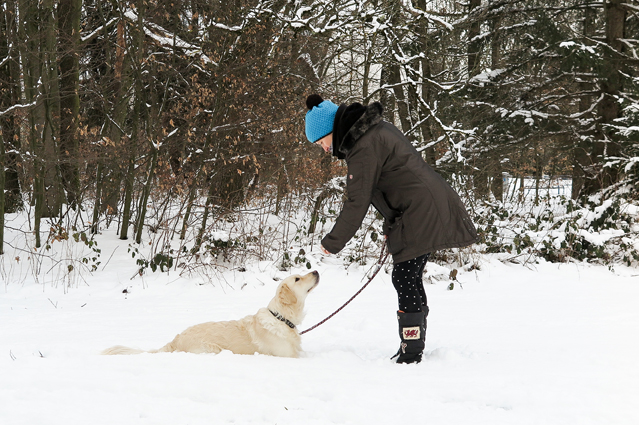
598, 230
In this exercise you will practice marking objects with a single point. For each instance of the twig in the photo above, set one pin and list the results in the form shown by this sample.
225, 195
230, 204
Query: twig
110, 257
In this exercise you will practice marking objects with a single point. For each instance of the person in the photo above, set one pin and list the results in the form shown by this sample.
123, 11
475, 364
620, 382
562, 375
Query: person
422, 213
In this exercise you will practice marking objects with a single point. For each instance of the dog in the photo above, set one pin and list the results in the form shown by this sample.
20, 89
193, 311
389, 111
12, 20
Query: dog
272, 330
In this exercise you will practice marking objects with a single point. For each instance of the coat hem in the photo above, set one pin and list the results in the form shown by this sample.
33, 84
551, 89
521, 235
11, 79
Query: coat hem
400, 257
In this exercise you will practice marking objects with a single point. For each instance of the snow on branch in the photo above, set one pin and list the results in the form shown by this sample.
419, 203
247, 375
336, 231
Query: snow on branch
167, 39
14, 107
487, 76
96, 31
323, 16
254, 13
408, 5
628, 6
627, 163
456, 148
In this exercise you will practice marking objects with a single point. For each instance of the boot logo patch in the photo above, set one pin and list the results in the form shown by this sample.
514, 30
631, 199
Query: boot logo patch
411, 333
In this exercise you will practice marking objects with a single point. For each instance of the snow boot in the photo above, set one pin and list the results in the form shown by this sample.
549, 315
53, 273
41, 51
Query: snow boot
412, 331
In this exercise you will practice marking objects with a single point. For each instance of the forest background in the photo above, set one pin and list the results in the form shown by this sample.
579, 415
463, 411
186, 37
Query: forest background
177, 120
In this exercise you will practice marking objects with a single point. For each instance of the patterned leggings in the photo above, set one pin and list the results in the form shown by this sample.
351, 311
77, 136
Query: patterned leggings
407, 279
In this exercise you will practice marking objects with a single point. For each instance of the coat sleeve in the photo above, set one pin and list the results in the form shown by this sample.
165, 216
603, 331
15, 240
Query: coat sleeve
363, 173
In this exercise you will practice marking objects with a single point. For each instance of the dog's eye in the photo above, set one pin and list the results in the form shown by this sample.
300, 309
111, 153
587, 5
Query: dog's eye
297, 279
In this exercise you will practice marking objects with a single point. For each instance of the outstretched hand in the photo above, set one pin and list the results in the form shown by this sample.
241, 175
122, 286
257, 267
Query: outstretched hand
324, 251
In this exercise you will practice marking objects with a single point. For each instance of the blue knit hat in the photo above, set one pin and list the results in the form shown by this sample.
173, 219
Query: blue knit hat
319, 118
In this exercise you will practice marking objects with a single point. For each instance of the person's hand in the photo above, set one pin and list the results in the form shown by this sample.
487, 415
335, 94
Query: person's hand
324, 251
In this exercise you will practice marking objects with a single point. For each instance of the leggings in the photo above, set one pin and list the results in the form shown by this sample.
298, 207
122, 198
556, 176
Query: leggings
407, 279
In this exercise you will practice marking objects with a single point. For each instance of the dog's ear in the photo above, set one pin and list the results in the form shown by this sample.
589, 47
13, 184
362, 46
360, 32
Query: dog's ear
286, 295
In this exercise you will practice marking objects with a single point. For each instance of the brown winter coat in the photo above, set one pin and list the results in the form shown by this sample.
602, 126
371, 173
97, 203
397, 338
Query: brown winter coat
422, 212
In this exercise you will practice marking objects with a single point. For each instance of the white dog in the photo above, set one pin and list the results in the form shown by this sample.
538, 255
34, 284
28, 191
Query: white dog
272, 330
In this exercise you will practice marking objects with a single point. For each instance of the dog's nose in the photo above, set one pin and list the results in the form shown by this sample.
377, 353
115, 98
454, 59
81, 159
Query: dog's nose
315, 273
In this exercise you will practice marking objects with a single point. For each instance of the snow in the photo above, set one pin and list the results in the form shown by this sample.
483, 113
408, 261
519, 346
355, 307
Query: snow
600, 238
165, 38
487, 76
572, 44
537, 344
220, 236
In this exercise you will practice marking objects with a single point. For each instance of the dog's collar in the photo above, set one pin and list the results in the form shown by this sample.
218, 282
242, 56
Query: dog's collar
283, 319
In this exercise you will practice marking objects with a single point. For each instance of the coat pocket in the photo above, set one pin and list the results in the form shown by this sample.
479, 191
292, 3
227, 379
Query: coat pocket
395, 240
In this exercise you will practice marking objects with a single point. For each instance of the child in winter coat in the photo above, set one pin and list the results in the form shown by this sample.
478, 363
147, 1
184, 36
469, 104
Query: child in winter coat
422, 213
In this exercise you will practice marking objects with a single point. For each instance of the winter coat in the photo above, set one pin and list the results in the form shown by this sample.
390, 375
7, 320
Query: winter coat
422, 212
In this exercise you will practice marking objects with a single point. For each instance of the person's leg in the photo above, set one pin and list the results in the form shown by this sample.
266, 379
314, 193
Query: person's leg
407, 279
420, 284
413, 309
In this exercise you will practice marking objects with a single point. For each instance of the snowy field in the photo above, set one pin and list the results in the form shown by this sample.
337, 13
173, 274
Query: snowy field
537, 344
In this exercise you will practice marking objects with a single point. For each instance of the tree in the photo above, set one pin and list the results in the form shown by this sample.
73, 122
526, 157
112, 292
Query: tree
68, 48
10, 106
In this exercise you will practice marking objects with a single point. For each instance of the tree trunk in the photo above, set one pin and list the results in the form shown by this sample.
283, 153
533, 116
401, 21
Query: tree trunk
135, 121
98, 194
474, 45
539, 169
112, 174
325, 193
424, 45
10, 95
497, 185
128, 182
144, 197
282, 187
385, 97
53, 191
394, 73
480, 182
68, 42
400, 97
189, 208
2, 167
581, 159
4, 94
205, 216
610, 108
495, 43
366, 80
607, 143
32, 66
5, 104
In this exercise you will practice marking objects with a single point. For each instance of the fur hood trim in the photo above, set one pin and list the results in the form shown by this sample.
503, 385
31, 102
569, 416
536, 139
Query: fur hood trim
371, 117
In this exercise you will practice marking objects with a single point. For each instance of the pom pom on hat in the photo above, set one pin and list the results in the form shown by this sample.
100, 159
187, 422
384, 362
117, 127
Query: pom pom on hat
313, 100
320, 117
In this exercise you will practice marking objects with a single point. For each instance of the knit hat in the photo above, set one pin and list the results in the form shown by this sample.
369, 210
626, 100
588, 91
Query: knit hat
319, 118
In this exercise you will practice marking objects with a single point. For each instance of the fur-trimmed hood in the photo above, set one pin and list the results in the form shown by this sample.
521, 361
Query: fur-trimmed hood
351, 123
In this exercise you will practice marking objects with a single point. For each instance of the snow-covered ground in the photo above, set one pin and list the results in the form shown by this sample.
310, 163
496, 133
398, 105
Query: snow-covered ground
537, 344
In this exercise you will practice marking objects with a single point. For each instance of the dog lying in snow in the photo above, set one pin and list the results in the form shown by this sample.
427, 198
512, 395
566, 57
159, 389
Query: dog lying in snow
272, 330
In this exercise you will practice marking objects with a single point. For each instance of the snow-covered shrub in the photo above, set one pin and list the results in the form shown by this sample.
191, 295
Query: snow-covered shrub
600, 230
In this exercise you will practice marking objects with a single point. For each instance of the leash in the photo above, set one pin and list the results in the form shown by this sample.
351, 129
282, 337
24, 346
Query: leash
380, 263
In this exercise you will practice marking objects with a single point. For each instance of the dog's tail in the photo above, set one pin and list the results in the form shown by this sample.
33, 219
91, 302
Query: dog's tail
119, 349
